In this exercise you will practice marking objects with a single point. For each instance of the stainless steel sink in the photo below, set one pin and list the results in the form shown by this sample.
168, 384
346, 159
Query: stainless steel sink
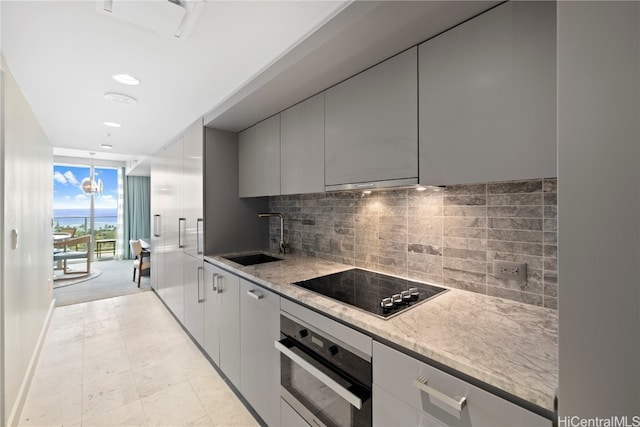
252, 259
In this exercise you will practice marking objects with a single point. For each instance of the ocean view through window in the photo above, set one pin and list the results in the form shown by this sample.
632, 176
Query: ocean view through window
71, 206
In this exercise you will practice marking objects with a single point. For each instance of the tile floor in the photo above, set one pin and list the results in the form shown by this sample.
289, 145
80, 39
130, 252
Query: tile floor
125, 361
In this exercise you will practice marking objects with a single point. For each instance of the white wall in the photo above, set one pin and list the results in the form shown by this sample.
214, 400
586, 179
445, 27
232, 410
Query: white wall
27, 275
2, 394
599, 208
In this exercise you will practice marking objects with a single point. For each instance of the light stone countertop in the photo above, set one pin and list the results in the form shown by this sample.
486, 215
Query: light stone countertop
506, 344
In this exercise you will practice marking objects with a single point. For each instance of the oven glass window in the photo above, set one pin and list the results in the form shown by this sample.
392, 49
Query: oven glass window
318, 398
321, 401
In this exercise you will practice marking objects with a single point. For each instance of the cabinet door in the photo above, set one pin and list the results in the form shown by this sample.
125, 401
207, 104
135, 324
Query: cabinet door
488, 98
397, 373
192, 173
174, 230
260, 159
260, 327
211, 313
194, 297
371, 130
302, 147
229, 294
157, 220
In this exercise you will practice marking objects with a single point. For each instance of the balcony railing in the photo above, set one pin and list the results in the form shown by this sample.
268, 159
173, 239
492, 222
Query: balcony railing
105, 228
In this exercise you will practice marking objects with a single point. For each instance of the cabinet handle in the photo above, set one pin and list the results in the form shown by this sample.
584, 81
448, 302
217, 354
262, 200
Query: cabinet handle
156, 225
180, 222
218, 283
199, 249
255, 295
214, 282
421, 384
200, 282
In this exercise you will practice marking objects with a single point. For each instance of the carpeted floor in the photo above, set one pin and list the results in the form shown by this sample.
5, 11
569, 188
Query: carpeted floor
115, 280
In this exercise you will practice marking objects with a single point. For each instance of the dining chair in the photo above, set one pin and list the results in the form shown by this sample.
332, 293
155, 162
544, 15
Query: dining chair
139, 262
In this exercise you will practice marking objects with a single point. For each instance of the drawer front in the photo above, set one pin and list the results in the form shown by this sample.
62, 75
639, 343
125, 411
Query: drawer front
289, 417
389, 411
397, 373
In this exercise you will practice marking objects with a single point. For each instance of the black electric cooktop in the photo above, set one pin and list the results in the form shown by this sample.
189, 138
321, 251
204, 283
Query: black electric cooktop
375, 293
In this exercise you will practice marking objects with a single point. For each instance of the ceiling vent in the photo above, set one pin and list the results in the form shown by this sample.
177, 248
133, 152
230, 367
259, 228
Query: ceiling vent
174, 18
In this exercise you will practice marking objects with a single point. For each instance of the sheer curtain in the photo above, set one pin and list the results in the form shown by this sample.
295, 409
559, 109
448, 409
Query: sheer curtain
137, 210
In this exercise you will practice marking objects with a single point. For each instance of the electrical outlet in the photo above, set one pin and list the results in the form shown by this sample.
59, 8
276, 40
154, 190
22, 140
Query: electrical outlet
510, 270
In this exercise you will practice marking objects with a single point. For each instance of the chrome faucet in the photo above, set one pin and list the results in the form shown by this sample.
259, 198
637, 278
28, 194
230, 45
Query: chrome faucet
283, 245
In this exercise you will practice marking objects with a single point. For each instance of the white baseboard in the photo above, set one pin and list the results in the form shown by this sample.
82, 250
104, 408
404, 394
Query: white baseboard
16, 411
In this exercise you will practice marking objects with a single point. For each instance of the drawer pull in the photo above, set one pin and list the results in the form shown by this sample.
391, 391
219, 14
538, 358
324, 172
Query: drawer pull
421, 383
256, 295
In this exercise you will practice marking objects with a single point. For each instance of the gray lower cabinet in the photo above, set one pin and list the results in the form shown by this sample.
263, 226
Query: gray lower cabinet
302, 147
389, 411
173, 224
259, 159
194, 297
371, 124
289, 417
260, 360
222, 320
487, 102
436, 397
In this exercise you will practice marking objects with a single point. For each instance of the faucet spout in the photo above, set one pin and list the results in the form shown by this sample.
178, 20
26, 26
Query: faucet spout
283, 245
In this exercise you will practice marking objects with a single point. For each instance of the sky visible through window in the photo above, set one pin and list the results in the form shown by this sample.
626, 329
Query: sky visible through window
72, 207
67, 193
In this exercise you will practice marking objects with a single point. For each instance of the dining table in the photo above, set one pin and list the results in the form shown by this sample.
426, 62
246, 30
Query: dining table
145, 242
58, 236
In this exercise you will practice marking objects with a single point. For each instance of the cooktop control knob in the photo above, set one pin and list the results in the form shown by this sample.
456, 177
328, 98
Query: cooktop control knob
406, 296
414, 293
397, 299
304, 333
333, 350
386, 304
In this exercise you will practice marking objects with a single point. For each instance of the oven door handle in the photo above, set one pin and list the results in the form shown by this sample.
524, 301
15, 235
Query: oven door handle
354, 400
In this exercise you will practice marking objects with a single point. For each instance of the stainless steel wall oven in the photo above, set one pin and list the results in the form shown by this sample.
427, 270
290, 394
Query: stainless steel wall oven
324, 380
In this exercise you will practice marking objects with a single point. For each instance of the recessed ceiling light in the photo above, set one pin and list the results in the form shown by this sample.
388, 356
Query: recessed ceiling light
106, 146
120, 98
112, 124
126, 79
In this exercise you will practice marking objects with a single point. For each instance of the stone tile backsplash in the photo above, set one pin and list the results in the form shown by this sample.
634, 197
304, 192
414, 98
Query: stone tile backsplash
448, 236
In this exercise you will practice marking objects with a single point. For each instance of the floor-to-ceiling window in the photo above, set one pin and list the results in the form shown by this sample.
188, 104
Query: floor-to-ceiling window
72, 203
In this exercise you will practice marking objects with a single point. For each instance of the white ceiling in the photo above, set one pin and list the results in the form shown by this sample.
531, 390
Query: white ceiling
63, 54
242, 62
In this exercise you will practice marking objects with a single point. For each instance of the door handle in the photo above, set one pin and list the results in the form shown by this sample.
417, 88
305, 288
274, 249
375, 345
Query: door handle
200, 282
156, 225
218, 280
199, 249
213, 282
180, 222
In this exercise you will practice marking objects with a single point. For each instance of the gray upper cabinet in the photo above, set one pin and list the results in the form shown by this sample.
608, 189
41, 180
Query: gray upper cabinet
488, 98
371, 129
302, 147
260, 159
